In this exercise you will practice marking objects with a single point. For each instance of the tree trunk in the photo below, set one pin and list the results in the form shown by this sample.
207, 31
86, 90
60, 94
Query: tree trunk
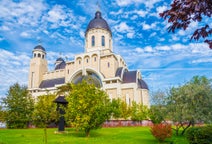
182, 133
45, 136
87, 132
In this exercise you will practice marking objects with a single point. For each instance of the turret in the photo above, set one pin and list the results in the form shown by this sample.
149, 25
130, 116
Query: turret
98, 35
38, 66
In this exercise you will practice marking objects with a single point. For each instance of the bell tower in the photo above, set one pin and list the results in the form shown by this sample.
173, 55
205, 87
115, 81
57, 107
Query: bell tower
98, 35
38, 66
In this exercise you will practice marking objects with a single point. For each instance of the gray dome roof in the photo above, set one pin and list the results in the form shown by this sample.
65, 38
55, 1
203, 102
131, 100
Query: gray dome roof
59, 59
142, 84
98, 22
61, 64
39, 47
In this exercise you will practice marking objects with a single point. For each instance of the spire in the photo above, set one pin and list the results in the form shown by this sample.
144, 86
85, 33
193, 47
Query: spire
98, 5
39, 41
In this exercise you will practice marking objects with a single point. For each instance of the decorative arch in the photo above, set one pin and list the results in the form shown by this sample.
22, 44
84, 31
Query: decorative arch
91, 76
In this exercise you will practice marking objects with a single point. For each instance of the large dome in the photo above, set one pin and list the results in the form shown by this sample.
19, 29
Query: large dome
98, 22
39, 47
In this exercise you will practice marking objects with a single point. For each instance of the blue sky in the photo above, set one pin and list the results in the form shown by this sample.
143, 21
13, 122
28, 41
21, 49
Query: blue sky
139, 35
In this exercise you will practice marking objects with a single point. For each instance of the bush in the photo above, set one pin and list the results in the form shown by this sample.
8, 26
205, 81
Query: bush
161, 131
199, 135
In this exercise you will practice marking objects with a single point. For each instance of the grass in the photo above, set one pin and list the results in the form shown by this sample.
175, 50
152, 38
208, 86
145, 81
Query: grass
121, 135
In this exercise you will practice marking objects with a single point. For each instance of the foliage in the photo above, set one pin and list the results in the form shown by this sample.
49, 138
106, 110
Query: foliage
157, 112
161, 131
183, 12
88, 107
19, 106
64, 89
139, 112
115, 108
2, 114
199, 135
45, 111
125, 110
190, 103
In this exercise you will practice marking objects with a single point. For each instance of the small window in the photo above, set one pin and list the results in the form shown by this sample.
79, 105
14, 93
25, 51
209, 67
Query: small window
103, 40
108, 64
68, 71
87, 60
94, 58
93, 41
34, 55
42, 56
79, 61
39, 55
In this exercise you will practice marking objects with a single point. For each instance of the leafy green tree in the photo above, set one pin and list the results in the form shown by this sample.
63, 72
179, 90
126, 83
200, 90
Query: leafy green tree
19, 106
125, 110
183, 12
45, 111
88, 107
2, 114
116, 108
157, 112
139, 112
190, 103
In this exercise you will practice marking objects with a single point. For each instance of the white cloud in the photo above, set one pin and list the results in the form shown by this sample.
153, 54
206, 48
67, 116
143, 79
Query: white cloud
25, 35
1, 38
26, 12
163, 48
56, 14
153, 34
202, 60
4, 28
14, 68
124, 28
149, 26
161, 9
148, 49
130, 35
141, 13
147, 3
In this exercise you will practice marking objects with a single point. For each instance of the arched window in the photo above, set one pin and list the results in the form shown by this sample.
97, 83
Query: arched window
93, 41
103, 40
34, 55
42, 56
39, 55
108, 64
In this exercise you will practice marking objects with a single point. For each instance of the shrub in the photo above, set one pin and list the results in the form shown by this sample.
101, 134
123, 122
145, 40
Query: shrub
161, 131
199, 135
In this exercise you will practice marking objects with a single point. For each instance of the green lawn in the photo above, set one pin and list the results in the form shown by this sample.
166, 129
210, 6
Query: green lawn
121, 135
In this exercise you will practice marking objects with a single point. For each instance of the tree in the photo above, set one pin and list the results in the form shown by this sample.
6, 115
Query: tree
183, 12
45, 111
19, 106
157, 110
190, 103
88, 107
139, 112
2, 114
125, 110
115, 108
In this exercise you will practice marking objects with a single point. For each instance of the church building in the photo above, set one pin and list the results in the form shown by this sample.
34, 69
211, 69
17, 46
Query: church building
98, 61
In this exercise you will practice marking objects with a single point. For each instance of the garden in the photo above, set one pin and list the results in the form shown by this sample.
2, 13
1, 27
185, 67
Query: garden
180, 115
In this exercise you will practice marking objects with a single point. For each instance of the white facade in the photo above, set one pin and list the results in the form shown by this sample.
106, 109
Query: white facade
98, 61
